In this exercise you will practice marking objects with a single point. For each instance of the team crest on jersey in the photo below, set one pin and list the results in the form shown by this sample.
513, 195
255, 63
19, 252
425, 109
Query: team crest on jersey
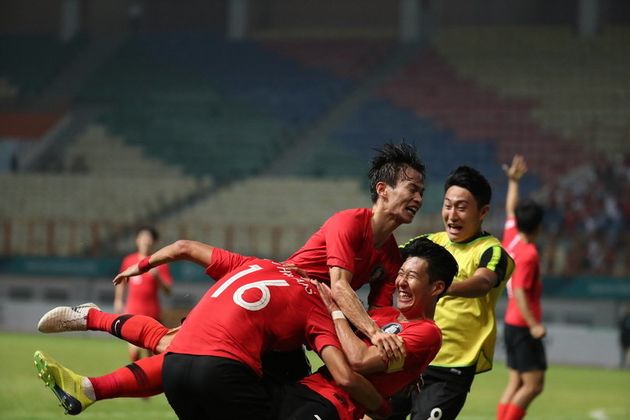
392, 328
377, 275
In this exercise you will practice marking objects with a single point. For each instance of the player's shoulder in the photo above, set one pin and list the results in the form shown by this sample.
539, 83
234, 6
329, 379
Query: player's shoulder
349, 221
426, 331
352, 214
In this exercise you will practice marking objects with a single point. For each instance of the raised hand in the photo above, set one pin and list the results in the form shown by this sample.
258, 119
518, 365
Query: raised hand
516, 169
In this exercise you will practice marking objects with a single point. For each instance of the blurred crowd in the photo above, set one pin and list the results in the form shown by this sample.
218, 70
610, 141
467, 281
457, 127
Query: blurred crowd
587, 220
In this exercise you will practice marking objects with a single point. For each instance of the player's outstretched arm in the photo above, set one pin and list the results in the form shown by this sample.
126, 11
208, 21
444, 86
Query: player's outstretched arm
514, 173
181, 250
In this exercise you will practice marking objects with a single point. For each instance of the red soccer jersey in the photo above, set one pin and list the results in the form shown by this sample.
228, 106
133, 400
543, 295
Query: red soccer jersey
423, 340
255, 307
142, 290
526, 275
345, 241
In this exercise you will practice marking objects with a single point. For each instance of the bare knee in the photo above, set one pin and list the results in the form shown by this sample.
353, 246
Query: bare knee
534, 388
165, 341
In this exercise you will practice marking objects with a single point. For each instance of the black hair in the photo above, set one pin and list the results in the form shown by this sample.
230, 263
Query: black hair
152, 231
529, 215
441, 263
472, 180
390, 163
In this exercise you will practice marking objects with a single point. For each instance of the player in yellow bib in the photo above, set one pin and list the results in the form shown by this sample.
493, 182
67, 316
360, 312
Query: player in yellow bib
466, 314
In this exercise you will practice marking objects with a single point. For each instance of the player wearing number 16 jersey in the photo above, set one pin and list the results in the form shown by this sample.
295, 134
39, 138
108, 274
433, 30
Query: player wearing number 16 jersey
213, 366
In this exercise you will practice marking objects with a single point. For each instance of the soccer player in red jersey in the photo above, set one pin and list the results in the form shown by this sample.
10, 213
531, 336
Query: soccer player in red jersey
419, 284
213, 366
361, 242
425, 275
356, 247
524, 330
142, 290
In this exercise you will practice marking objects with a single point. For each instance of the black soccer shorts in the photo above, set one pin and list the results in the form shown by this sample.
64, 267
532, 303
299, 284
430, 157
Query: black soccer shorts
209, 387
524, 352
298, 402
441, 397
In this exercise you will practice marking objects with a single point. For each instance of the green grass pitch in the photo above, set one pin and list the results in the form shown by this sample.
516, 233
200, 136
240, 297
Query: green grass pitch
570, 392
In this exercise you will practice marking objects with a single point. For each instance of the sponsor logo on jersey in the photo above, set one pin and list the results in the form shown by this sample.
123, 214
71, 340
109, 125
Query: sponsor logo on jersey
392, 328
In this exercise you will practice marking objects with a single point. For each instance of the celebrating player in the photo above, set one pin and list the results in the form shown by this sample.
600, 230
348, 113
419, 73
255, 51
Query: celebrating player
425, 275
213, 367
466, 314
524, 330
353, 247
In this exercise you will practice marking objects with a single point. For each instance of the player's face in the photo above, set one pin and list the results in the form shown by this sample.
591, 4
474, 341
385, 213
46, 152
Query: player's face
405, 199
461, 216
413, 288
144, 242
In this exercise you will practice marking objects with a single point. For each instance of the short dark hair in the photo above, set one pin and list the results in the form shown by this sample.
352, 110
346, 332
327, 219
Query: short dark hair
390, 163
529, 215
441, 263
472, 180
152, 231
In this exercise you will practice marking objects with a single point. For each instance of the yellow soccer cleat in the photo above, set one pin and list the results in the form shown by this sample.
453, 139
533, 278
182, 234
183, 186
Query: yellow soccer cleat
64, 383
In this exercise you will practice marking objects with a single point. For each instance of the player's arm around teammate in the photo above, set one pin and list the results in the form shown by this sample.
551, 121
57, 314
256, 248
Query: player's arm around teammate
390, 344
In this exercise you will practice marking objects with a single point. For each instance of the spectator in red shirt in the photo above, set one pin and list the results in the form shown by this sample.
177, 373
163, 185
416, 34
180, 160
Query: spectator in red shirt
142, 290
523, 330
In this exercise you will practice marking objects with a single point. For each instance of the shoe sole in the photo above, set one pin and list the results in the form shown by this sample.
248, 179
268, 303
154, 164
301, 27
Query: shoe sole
42, 370
68, 403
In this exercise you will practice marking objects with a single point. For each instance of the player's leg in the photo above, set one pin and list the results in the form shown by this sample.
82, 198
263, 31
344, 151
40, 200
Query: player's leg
513, 385
139, 379
531, 362
77, 392
134, 352
512, 336
532, 386
214, 387
139, 330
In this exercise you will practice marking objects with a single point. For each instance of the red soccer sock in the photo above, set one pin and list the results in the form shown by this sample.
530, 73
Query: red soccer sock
514, 412
501, 409
140, 379
139, 330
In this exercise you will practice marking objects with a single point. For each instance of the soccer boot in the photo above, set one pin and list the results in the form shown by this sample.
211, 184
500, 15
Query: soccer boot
64, 383
65, 318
